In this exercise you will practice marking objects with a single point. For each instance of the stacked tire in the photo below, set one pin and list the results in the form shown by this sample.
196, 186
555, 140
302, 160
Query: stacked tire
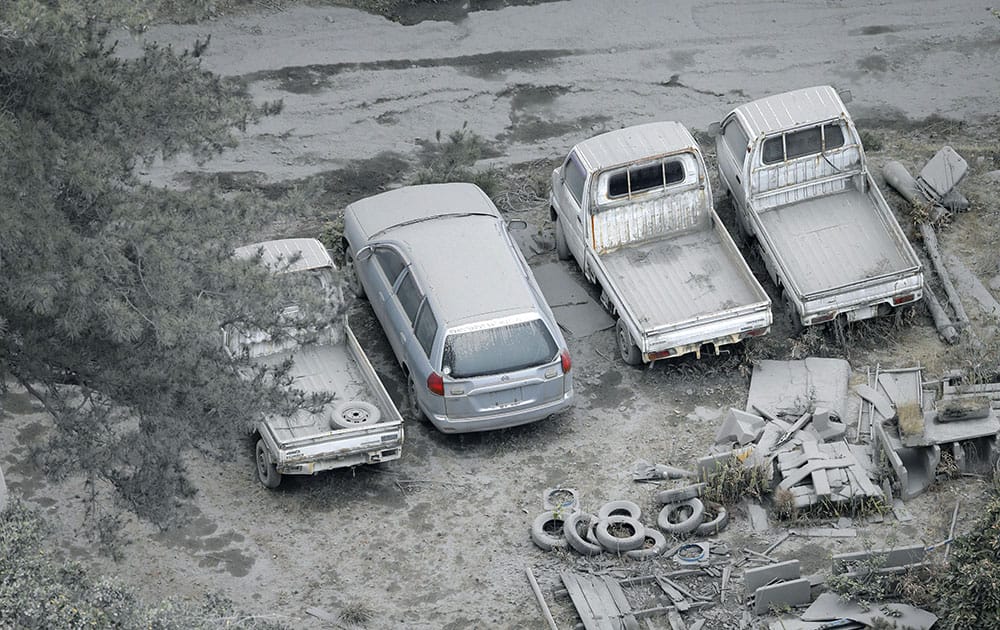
685, 513
616, 528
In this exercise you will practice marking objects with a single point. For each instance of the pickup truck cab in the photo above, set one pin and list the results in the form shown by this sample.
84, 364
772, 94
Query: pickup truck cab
361, 425
634, 208
795, 168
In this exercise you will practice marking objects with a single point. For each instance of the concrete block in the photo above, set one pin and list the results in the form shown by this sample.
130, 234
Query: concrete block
880, 558
753, 579
793, 593
740, 427
826, 427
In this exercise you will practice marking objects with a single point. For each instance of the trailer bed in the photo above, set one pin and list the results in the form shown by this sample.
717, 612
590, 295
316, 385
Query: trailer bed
322, 368
833, 240
680, 278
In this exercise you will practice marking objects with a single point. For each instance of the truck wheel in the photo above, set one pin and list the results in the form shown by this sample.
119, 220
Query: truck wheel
266, 471
793, 315
351, 275
562, 248
629, 351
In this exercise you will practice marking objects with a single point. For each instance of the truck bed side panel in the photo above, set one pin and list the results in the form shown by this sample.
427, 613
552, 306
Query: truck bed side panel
641, 220
678, 279
832, 241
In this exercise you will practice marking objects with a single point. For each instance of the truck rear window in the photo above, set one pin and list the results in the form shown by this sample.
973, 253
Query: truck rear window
637, 179
498, 350
811, 141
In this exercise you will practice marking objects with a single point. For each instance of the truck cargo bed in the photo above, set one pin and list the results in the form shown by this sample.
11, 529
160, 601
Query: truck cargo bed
680, 278
833, 240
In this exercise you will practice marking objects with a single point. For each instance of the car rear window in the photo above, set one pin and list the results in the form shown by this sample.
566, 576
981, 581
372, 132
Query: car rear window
498, 350
811, 141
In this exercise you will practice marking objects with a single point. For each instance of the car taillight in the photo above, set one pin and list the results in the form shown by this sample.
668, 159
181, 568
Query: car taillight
435, 384
566, 363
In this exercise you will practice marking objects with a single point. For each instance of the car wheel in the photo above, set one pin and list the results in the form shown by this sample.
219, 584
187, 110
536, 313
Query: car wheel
620, 533
619, 508
266, 471
355, 413
547, 531
562, 247
351, 273
576, 540
413, 405
717, 524
681, 518
626, 347
653, 545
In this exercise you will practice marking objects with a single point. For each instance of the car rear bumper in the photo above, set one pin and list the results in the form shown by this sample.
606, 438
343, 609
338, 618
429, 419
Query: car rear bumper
502, 420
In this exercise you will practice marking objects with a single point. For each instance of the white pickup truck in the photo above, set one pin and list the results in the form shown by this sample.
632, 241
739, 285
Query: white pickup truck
634, 207
361, 425
803, 195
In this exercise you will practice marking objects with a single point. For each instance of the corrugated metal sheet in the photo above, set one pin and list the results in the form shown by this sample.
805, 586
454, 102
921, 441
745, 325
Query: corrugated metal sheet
791, 109
644, 220
277, 253
675, 280
622, 146
829, 241
771, 179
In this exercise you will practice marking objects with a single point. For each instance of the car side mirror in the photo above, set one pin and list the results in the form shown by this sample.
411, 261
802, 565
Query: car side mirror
364, 253
714, 129
517, 224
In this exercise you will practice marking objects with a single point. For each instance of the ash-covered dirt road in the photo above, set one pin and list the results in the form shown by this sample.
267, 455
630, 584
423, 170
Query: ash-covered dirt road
440, 538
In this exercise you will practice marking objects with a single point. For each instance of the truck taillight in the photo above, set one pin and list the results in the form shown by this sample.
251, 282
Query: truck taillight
566, 363
902, 299
661, 354
435, 384
757, 332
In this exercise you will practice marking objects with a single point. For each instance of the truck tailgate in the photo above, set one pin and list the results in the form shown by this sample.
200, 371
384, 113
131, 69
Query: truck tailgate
834, 241
680, 278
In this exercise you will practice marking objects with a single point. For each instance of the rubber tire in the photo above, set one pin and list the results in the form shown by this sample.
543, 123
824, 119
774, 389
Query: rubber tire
354, 414
413, 406
659, 546
624, 508
544, 540
575, 540
562, 247
717, 524
267, 473
676, 495
620, 545
626, 348
351, 274
686, 526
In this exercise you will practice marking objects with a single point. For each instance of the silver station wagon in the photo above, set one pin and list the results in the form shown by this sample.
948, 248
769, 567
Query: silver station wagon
460, 307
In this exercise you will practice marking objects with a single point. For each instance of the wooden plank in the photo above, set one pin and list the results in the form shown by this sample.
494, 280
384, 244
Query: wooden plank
621, 602
541, 600
592, 619
675, 596
608, 614
807, 470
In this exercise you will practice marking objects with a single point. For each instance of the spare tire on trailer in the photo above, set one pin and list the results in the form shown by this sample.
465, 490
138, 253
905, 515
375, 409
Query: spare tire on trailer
353, 414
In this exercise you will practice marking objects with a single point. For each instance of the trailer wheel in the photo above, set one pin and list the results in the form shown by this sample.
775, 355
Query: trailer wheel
266, 471
353, 414
562, 247
547, 531
629, 351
